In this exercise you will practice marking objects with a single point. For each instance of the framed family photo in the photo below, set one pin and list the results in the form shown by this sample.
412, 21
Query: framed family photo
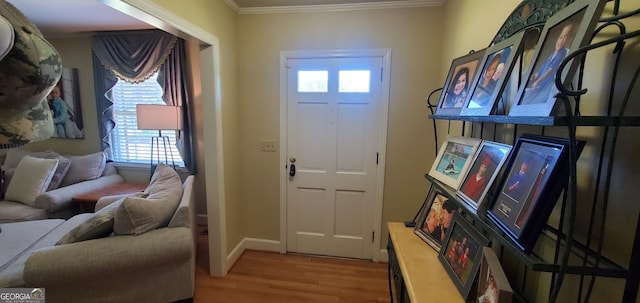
485, 168
564, 32
493, 286
536, 174
461, 254
488, 84
453, 159
64, 103
456, 86
435, 218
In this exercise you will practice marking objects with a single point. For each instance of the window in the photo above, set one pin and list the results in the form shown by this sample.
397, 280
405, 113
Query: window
129, 144
314, 81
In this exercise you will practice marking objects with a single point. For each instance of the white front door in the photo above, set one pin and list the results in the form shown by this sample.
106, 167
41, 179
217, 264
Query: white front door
333, 120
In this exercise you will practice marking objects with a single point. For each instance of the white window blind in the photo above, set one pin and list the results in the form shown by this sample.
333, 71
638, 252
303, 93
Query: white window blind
131, 145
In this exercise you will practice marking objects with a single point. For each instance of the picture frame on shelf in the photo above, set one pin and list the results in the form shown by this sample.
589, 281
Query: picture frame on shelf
536, 173
487, 163
493, 285
461, 254
435, 218
488, 84
453, 159
562, 34
457, 84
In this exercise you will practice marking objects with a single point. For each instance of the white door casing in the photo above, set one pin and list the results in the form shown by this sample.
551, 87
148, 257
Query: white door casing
337, 135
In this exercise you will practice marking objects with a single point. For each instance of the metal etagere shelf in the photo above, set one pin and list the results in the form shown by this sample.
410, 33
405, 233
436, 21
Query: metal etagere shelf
583, 257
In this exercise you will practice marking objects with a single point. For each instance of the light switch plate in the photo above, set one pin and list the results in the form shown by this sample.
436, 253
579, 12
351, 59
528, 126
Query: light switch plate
268, 146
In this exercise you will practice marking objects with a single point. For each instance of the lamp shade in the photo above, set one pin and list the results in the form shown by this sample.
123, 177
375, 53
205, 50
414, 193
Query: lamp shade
158, 117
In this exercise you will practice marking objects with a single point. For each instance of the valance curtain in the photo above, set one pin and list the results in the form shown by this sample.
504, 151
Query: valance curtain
134, 56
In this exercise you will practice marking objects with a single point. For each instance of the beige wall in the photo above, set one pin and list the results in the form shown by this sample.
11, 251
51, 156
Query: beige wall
219, 20
409, 33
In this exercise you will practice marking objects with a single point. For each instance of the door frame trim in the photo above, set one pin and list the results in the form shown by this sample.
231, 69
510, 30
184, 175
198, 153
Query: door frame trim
385, 54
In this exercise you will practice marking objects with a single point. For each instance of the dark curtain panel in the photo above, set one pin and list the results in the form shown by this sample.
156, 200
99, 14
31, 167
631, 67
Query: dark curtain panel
134, 56
173, 79
103, 82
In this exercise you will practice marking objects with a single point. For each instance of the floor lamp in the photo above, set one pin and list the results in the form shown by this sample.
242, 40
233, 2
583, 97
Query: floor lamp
159, 117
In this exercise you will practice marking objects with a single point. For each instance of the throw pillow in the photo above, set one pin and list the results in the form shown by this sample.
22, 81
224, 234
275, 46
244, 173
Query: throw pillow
31, 178
61, 171
82, 168
137, 215
98, 226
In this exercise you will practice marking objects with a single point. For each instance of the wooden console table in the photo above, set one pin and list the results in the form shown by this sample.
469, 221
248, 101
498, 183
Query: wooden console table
88, 200
420, 273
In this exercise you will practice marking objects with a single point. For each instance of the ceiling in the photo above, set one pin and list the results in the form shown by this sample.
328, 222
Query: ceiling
77, 16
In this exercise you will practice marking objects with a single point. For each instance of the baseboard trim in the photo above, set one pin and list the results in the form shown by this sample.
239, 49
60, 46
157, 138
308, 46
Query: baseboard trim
384, 256
253, 244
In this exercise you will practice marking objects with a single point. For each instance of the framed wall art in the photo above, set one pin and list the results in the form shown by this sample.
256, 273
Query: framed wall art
461, 254
536, 174
493, 286
563, 33
456, 86
489, 82
486, 165
64, 103
453, 159
435, 218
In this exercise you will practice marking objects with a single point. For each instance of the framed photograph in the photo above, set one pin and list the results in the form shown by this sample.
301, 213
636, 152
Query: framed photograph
453, 159
488, 84
461, 254
536, 174
493, 286
64, 103
435, 218
564, 32
456, 86
486, 165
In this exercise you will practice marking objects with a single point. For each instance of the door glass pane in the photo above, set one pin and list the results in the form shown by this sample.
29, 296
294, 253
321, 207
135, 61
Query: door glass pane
313, 81
354, 81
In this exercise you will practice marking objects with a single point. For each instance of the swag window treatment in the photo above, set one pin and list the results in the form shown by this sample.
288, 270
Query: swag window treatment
134, 56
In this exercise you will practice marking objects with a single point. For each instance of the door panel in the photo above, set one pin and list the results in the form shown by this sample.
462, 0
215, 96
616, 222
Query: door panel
332, 119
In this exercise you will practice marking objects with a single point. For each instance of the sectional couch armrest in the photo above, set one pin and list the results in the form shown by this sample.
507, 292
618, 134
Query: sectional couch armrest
108, 258
60, 198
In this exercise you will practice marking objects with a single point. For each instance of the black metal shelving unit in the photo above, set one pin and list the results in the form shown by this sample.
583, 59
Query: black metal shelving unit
583, 257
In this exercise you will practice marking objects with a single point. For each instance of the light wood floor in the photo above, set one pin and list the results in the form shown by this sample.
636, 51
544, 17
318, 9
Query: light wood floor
268, 277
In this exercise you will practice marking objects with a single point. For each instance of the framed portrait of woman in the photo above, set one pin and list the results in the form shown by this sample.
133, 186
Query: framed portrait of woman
456, 86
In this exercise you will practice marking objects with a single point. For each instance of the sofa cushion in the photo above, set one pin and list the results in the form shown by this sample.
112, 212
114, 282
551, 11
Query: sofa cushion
18, 237
30, 179
14, 156
17, 212
82, 168
137, 215
98, 226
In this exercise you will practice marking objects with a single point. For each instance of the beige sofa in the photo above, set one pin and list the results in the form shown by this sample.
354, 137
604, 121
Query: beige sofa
73, 175
157, 265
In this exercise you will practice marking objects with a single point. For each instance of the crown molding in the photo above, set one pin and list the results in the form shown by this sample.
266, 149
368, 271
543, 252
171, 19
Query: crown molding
334, 7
